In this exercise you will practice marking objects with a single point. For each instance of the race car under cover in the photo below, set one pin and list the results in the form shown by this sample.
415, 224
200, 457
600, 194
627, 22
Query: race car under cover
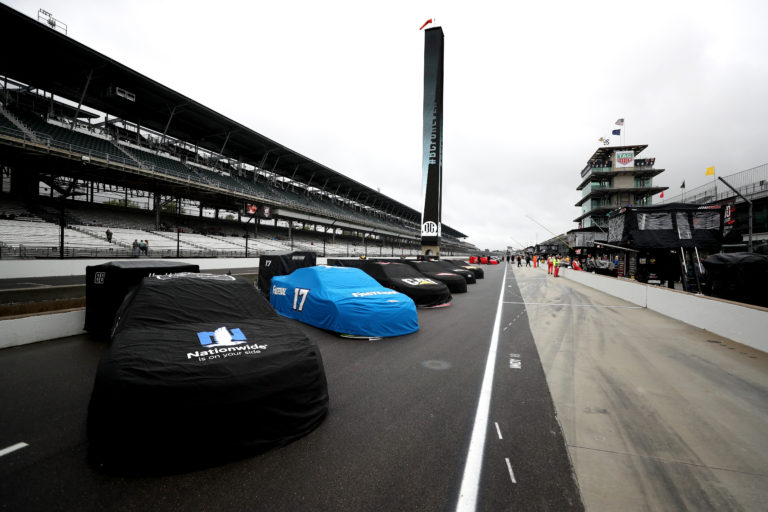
424, 291
468, 275
201, 370
476, 269
455, 282
344, 300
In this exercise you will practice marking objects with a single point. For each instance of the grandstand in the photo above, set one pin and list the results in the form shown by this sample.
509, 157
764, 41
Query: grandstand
154, 165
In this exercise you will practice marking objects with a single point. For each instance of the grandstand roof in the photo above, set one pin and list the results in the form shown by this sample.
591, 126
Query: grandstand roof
71, 70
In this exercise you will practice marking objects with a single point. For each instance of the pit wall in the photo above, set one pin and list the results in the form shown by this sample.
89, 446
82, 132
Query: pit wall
739, 322
46, 326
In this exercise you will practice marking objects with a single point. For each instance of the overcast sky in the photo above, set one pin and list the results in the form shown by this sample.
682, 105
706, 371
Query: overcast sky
529, 89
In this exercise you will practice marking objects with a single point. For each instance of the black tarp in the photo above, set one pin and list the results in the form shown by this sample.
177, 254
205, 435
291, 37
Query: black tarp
106, 286
424, 291
667, 226
476, 269
348, 262
468, 275
282, 265
201, 370
455, 282
738, 276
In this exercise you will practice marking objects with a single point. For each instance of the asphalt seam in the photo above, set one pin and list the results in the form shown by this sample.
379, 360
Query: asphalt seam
669, 461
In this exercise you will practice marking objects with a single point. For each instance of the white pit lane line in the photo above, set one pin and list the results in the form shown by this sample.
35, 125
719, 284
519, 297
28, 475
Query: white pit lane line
470, 481
12, 448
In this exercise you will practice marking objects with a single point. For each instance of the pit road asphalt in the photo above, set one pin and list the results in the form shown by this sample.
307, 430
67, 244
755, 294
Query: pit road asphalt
396, 436
402, 411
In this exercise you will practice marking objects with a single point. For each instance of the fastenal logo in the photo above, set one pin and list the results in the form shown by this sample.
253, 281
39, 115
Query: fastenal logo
429, 228
221, 337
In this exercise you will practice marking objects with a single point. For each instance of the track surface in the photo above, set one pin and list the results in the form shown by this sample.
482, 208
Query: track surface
402, 412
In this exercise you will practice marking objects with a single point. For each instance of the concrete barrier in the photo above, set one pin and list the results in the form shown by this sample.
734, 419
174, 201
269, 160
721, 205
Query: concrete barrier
742, 323
41, 327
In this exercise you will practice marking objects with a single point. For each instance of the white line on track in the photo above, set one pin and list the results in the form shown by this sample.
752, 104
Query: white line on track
470, 482
498, 430
573, 305
511, 473
13, 448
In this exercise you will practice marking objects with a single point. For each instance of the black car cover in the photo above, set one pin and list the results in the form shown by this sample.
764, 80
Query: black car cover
425, 291
282, 265
201, 370
468, 275
106, 286
739, 276
476, 269
455, 282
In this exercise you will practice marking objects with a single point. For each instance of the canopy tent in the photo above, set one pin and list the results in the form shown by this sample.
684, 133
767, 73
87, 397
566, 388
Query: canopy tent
667, 226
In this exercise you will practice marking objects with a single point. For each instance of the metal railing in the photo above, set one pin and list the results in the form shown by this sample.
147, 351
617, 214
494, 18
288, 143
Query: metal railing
751, 183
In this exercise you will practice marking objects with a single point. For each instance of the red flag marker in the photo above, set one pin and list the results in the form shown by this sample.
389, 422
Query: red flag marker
662, 195
426, 23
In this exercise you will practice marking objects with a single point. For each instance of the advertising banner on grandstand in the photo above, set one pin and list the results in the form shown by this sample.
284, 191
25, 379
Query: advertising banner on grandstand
624, 159
432, 159
264, 211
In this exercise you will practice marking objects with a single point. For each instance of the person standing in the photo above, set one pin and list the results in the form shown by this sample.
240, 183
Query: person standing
109, 235
549, 264
556, 265
527, 260
135, 248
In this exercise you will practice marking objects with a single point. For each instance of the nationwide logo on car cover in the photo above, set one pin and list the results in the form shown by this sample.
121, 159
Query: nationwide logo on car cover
221, 337
224, 343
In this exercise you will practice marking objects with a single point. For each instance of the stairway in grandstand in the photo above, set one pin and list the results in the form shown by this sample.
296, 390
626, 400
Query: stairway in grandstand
17, 123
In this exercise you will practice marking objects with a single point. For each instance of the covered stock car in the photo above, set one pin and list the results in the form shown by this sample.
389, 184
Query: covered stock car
344, 300
424, 291
201, 370
468, 275
476, 269
454, 282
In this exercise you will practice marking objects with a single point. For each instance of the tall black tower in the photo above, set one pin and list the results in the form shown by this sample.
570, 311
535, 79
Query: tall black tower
432, 160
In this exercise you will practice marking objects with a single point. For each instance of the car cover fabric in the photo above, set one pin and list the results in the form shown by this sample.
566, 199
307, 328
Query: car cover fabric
344, 300
738, 276
106, 286
468, 275
271, 265
477, 270
455, 283
201, 370
424, 291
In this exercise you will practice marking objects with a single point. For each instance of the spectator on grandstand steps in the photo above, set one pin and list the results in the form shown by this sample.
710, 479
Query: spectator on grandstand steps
135, 248
146, 247
109, 235
142, 247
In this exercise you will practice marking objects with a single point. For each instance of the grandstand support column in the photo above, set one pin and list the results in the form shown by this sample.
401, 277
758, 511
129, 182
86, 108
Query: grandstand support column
156, 206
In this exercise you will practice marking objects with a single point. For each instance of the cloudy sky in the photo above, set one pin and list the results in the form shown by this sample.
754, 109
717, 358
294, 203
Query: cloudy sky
529, 89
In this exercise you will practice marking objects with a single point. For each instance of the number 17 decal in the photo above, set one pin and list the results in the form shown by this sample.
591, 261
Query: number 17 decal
299, 292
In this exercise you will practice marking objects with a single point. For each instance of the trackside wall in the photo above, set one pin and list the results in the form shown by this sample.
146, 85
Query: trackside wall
739, 322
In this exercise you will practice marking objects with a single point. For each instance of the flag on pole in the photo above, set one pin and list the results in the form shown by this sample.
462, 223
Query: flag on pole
662, 195
426, 23
683, 184
616, 132
601, 139
710, 171
620, 121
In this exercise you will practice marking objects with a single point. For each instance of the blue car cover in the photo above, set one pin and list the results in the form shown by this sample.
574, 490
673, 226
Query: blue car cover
344, 300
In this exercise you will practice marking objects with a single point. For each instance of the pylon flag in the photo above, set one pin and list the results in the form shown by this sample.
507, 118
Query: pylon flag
662, 195
426, 23
710, 171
